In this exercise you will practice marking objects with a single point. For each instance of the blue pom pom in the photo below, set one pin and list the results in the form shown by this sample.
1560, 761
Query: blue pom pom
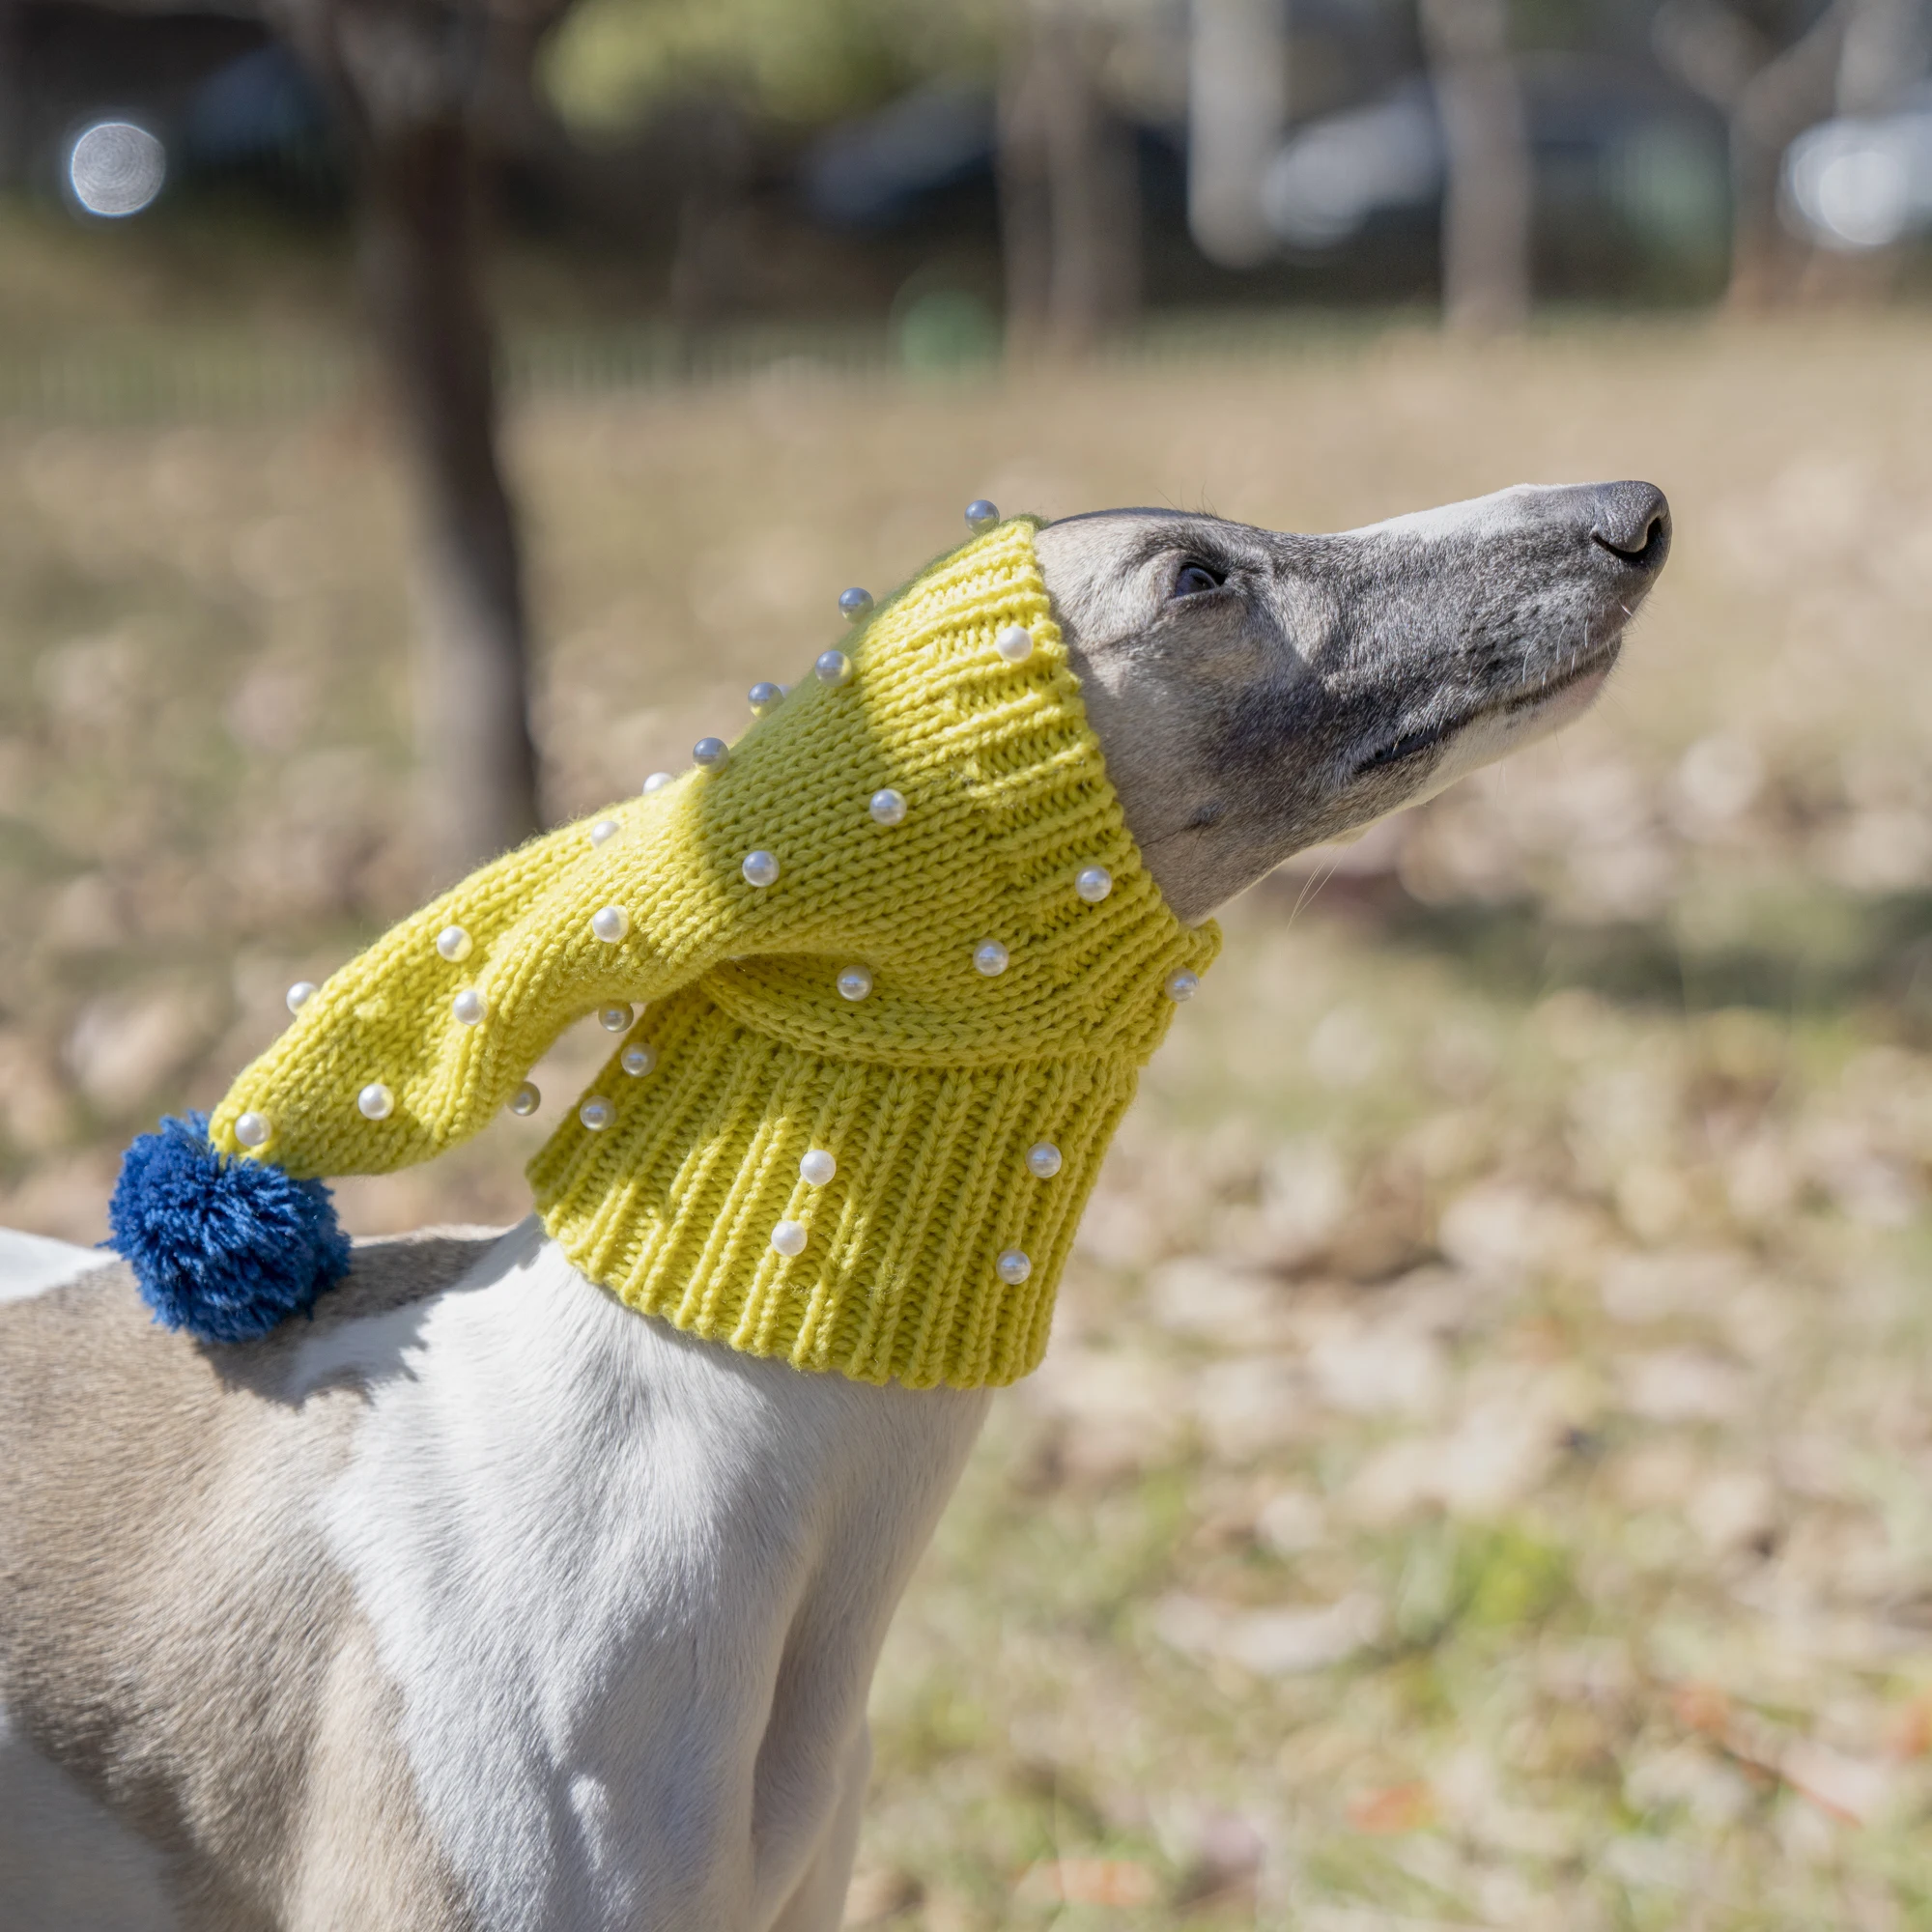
223, 1248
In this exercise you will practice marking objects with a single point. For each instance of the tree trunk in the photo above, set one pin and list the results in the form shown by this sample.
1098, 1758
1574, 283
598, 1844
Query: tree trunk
1236, 115
420, 263
418, 82
13, 99
1783, 98
1026, 198
1069, 193
1485, 153
1886, 50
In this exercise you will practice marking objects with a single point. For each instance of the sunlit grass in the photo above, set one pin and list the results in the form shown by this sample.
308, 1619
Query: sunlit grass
1482, 1473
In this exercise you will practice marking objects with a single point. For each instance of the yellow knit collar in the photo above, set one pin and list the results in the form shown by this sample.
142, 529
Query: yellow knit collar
885, 1185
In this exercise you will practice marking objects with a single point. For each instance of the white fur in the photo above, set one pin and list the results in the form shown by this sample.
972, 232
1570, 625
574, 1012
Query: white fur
67, 1864
671, 1731
31, 1263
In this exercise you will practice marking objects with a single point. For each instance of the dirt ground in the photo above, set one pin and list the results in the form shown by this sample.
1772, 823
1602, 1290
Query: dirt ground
1482, 1474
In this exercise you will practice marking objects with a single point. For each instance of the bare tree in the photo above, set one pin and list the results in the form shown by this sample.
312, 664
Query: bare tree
1772, 76
1069, 196
1236, 115
419, 84
1486, 214
13, 103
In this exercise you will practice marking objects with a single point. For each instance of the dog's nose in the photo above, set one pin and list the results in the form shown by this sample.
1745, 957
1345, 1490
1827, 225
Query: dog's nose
1632, 521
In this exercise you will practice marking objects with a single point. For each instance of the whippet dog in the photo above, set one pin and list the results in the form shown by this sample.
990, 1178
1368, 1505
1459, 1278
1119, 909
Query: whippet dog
481, 1600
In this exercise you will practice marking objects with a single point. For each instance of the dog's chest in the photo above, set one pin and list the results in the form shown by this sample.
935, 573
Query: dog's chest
631, 1587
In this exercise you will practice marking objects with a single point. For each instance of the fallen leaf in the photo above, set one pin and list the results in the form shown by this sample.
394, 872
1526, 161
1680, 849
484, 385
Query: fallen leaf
1088, 1881
1392, 1808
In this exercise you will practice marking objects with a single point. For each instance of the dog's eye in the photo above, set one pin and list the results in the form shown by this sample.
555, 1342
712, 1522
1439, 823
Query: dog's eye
1194, 578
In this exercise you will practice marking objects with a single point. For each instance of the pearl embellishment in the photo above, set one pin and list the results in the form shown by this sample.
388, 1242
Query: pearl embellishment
982, 516
887, 807
989, 957
300, 994
252, 1129
656, 782
832, 667
1014, 645
713, 754
1093, 884
788, 1237
453, 943
605, 828
1182, 985
763, 696
375, 1101
637, 1059
1013, 1266
526, 1100
610, 924
596, 1115
856, 604
818, 1168
760, 868
469, 1006
614, 1019
855, 982
1042, 1160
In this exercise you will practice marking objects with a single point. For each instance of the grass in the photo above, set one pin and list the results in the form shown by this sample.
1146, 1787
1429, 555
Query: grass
1481, 1476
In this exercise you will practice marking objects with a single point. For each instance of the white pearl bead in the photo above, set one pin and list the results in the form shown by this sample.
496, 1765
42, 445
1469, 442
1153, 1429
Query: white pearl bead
832, 667
469, 1006
596, 1115
1182, 985
764, 697
1014, 645
982, 516
614, 1019
712, 754
855, 982
1013, 1266
526, 1100
605, 828
1093, 884
252, 1129
300, 994
610, 924
760, 868
375, 1101
637, 1059
989, 957
788, 1237
1042, 1160
855, 604
887, 807
453, 943
656, 782
818, 1168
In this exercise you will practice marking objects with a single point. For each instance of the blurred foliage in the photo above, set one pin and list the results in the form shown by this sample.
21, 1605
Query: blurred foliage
803, 62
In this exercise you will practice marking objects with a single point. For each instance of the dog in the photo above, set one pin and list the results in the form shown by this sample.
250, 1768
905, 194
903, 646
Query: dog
481, 1600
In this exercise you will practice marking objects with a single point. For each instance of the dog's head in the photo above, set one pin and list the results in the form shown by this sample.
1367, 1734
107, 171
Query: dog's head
1256, 692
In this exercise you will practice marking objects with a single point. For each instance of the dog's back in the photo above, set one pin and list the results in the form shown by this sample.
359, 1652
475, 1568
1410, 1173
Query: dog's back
171, 1636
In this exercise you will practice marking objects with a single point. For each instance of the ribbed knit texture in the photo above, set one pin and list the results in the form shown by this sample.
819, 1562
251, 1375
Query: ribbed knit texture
928, 1093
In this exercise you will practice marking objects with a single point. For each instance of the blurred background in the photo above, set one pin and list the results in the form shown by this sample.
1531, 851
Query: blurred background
1482, 1474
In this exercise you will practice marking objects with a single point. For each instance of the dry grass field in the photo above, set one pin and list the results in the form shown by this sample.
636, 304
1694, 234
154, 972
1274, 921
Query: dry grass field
1483, 1476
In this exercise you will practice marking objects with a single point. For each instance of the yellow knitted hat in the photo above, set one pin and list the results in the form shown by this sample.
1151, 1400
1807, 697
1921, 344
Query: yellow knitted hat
900, 965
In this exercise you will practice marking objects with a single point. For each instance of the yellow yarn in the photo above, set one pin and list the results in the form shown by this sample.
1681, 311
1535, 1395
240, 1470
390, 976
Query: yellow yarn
928, 1093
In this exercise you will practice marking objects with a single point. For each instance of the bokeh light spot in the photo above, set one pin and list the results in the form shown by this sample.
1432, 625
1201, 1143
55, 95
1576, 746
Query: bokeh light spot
116, 168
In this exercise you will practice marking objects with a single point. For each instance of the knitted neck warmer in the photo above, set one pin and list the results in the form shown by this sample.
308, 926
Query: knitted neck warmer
882, 1050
